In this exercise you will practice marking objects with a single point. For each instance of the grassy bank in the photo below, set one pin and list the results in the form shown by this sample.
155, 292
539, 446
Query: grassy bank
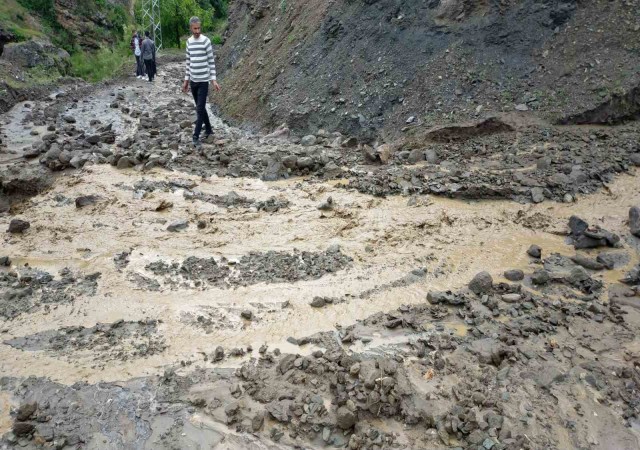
100, 65
16, 18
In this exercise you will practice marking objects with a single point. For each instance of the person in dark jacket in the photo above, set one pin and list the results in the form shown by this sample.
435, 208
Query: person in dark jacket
148, 49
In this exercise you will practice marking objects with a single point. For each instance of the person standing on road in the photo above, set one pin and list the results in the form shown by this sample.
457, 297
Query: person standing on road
135, 45
201, 70
149, 56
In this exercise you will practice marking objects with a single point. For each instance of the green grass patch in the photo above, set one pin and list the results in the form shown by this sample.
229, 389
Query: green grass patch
103, 64
15, 18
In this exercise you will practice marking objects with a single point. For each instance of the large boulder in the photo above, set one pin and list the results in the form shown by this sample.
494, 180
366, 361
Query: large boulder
37, 53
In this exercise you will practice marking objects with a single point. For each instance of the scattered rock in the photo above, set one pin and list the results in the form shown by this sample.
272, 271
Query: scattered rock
86, 200
634, 220
540, 277
511, 298
23, 428
178, 225
308, 140
535, 251
481, 283
18, 226
345, 418
587, 263
26, 410
218, 354
514, 275
124, 163
326, 206
164, 205
318, 302
537, 195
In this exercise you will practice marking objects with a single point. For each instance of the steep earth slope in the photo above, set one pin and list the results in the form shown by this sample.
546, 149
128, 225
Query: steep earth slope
368, 67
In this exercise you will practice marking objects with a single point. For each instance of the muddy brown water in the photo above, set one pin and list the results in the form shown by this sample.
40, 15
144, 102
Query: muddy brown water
387, 239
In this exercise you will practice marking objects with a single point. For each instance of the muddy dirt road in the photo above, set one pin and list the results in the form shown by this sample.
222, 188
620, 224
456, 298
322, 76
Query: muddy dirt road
190, 302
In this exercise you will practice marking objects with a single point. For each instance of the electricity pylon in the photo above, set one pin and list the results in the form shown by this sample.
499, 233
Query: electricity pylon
151, 20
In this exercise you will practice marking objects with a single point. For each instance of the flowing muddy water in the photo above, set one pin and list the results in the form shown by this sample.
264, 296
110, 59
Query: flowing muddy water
117, 261
387, 240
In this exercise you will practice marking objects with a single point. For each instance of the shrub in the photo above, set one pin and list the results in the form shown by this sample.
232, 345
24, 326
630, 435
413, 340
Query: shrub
105, 63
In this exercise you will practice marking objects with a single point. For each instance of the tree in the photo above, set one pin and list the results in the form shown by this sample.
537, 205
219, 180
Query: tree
220, 8
175, 15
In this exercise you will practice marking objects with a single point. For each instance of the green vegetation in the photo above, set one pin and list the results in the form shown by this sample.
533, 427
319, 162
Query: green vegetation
45, 10
175, 15
15, 18
36, 18
97, 66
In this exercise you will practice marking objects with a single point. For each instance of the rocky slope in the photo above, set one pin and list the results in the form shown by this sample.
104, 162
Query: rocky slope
370, 68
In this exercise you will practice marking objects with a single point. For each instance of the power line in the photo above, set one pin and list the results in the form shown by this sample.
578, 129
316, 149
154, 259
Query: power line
151, 20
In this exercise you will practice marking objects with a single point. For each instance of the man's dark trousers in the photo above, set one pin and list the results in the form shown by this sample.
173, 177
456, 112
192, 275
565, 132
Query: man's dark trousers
200, 90
151, 70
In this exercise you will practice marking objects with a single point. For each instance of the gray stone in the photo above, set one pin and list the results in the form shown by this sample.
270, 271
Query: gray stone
256, 422
18, 226
577, 225
481, 283
587, 263
534, 251
612, 260
45, 432
432, 156
318, 302
86, 200
279, 410
511, 298
543, 163
22, 428
514, 275
540, 277
26, 410
416, 155
537, 195
290, 162
178, 225
577, 275
305, 163
634, 221
345, 418
218, 354
635, 159
124, 163
308, 140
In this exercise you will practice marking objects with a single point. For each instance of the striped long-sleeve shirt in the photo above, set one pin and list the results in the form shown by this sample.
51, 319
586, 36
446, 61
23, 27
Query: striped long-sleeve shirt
201, 65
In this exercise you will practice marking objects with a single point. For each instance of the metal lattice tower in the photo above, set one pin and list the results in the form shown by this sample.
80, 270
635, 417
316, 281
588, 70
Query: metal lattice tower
151, 20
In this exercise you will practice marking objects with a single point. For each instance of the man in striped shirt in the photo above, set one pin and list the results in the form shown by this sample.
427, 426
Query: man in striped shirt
201, 70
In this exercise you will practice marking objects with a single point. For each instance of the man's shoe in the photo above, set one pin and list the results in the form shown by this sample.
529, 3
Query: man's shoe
196, 142
207, 134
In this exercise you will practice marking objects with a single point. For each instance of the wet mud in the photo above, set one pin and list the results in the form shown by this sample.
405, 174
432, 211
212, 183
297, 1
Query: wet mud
258, 293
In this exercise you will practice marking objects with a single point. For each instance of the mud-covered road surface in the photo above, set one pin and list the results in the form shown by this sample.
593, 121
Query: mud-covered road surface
253, 294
